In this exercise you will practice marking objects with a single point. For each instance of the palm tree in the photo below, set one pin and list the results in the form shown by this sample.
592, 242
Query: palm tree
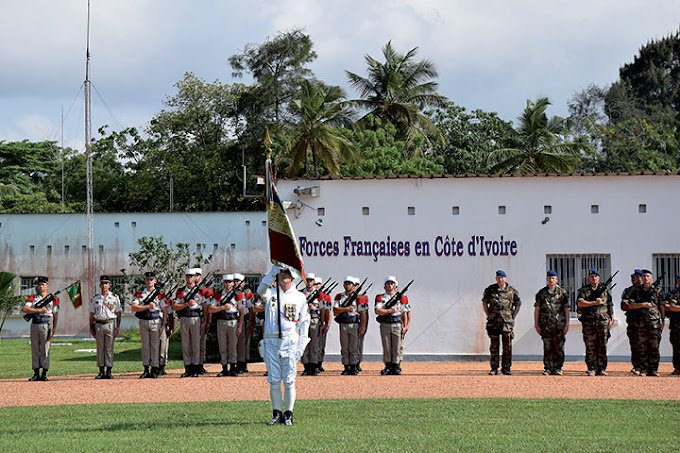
320, 111
543, 149
7, 298
397, 91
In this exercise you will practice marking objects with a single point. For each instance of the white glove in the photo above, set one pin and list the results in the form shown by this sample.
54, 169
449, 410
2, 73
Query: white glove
270, 277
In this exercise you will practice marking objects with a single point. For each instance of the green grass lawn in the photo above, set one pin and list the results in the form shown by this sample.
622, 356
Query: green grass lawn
15, 356
349, 425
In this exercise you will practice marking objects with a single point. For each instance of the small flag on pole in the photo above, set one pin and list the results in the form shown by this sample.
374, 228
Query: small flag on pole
74, 294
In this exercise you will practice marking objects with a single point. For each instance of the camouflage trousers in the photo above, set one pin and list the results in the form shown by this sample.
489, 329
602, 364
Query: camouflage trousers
595, 337
633, 341
675, 342
553, 351
648, 336
494, 350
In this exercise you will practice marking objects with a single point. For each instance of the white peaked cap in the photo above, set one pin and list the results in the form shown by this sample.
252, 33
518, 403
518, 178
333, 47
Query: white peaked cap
189, 271
238, 276
198, 270
310, 276
391, 278
228, 277
357, 280
349, 278
292, 273
318, 280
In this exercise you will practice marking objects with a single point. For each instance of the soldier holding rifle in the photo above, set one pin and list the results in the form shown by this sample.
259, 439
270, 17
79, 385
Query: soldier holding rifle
394, 316
244, 299
672, 308
646, 302
188, 306
326, 306
596, 313
229, 325
347, 316
43, 309
147, 307
310, 359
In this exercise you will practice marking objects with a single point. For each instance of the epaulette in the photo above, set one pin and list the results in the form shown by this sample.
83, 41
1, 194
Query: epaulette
404, 300
378, 298
338, 297
30, 298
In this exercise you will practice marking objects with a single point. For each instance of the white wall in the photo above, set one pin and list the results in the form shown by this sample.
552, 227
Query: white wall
218, 231
448, 318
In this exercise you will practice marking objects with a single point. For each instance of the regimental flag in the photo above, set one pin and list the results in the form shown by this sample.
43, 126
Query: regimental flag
283, 247
74, 294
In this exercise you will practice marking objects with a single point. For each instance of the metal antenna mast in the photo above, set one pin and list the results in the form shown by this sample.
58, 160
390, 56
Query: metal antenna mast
88, 158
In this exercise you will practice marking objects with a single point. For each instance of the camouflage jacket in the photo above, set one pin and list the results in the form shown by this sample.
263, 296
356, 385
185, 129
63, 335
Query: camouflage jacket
551, 305
501, 302
598, 312
641, 295
673, 298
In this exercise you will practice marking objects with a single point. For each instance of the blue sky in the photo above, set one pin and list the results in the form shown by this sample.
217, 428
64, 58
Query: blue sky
492, 55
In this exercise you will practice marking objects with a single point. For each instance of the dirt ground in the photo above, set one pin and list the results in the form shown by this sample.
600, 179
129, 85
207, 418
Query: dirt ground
420, 380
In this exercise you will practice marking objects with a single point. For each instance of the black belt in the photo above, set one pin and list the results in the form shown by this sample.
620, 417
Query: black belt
108, 321
228, 317
40, 322
388, 320
189, 315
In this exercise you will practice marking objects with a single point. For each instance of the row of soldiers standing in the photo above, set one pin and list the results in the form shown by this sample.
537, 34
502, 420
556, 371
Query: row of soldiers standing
644, 305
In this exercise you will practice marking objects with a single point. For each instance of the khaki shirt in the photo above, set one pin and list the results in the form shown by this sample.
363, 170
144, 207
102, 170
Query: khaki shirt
105, 308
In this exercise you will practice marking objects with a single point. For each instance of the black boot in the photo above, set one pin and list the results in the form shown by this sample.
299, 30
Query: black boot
145, 374
314, 369
224, 372
288, 418
321, 368
187, 371
387, 369
108, 373
153, 374
244, 367
396, 369
358, 368
161, 370
102, 373
239, 367
305, 372
345, 372
352, 370
277, 417
233, 371
36, 375
200, 369
43, 376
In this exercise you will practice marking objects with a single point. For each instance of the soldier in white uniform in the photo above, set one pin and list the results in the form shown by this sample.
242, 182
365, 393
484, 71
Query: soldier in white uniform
229, 325
105, 314
394, 323
43, 325
286, 325
348, 319
148, 310
188, 306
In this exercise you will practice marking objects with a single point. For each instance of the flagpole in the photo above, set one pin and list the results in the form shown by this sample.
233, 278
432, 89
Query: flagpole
268, 189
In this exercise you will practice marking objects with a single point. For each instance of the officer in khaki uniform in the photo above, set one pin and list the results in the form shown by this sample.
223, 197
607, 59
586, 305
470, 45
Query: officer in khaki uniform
188, 306
150, 315
310, 358
244, 300
105, 314
672, 310
348, 319
596, 315
43, 326
394, 323
551, 321
501, 304
229, 325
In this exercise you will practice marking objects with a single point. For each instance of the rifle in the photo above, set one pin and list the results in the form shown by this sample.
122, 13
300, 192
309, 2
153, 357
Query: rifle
150, 298
331, 288
658, 280
397, 297
353, 295
41, 303
602, 288
314, 294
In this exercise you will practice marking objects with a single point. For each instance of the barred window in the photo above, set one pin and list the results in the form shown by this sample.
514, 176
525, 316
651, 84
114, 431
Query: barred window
122, 286
572, 271
27, 286
666, 265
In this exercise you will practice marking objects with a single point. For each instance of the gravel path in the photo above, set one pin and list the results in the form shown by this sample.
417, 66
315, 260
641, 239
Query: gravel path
420, 380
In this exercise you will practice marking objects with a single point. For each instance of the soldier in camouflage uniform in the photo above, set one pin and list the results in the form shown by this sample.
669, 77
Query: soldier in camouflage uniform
501, 304
672, 309
647, 304
551, 320
635, 280
596, 313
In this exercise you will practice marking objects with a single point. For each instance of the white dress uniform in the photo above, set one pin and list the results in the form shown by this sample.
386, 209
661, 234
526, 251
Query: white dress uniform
282, 354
